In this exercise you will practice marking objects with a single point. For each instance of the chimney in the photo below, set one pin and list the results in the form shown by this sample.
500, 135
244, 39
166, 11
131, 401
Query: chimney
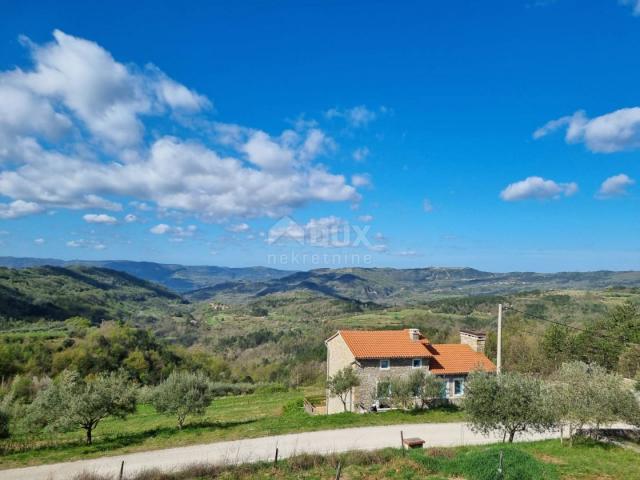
414, 334
475, 339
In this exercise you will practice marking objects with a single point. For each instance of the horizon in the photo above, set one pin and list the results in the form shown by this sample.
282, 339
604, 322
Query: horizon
305, 135
71, 261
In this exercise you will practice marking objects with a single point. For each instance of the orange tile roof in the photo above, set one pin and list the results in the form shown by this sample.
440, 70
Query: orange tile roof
452, 358
373, 344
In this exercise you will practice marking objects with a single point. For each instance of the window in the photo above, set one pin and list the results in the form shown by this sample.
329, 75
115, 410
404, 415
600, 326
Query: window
417, 363
385, 364
458, 387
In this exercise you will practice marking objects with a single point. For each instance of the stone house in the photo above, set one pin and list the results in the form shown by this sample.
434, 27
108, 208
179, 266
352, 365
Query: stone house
378, 355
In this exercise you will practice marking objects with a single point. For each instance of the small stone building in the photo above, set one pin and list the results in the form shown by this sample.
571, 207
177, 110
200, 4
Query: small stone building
378, 355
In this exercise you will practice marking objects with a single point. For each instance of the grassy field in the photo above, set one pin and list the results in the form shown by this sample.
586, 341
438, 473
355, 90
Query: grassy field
229, 418
546, 460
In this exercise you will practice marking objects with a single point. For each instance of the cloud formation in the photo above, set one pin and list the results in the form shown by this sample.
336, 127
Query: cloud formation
608, 133
100, 218
537, 188
634, 4
359, 116
615, 186
73, 135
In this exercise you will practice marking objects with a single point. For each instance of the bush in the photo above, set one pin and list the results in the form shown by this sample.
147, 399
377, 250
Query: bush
220, 389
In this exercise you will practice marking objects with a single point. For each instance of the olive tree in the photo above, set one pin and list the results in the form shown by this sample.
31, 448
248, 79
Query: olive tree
72, 402
401, 392
510, 403
586, 394
426, 387
183, 393
341, 384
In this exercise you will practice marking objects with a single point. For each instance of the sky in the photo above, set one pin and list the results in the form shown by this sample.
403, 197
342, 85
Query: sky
499, 135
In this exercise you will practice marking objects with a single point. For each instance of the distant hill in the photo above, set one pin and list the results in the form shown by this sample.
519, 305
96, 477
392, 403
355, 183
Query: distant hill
57, 293
400, 286
180, 278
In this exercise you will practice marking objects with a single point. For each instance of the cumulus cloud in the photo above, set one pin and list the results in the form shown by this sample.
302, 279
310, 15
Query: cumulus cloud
615, 186
359, 116
82, 243
361, 180
72, 135
18, 208
176, 232
160, 229
99, 218
39, 241
365, 218
361, 154
537, 188
130, 218
611, 132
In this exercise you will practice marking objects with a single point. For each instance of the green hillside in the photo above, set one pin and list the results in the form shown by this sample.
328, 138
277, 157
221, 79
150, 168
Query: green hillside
57, 293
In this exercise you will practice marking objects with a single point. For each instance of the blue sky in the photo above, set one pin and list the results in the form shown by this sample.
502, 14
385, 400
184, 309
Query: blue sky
499, 135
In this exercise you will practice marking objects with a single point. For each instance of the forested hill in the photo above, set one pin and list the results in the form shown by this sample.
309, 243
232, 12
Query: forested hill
401, 286
57, 293
179, 278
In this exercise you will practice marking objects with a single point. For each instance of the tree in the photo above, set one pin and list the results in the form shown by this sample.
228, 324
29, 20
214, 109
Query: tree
341, 384
426, 386
402, 393
72, 402
510, 403
182, 394
586, 394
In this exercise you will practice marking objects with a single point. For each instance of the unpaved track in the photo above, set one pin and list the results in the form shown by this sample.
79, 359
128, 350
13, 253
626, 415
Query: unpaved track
263, 448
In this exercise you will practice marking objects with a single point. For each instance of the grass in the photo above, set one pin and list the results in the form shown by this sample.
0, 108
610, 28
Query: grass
229, 418
547, 460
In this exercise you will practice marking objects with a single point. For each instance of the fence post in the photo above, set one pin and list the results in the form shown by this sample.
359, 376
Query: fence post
338, 470
121, 470
275, 461
402, 442
500, 474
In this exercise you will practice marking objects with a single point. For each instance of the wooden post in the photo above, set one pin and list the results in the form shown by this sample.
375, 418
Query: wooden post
275, 461
402, 441
499, 346
500, 475
121, 470
338, 470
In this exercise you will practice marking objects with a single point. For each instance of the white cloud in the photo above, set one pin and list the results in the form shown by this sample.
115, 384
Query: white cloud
90, 110
130, 218
361, 154
427, 206
238, 228
359, 116
99, 218
380, 248
178, 233
361, 180
635, 5
75, 86
366, 218
18, 208
160, 229
328, 231
615, 186
39, 241
611, 132
537, 188
82, 243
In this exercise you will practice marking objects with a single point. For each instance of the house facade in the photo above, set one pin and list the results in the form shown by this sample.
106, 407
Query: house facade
378, 355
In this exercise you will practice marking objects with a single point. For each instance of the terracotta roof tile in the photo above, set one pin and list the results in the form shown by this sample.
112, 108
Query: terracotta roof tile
452, 358
374, 344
